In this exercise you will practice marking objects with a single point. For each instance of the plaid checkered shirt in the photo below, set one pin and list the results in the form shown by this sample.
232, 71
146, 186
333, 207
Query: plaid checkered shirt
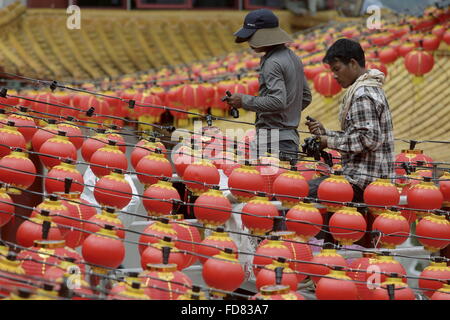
367, 142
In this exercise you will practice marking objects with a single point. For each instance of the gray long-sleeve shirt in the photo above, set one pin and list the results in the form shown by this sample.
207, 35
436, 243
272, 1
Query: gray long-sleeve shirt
283, 93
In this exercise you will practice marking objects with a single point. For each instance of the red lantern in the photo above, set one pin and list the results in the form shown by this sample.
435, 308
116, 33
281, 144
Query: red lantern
108, 158
80, 209
431, 42
100, 221
426, 196
44, 105
147, 108
394, 227
268, 251
312, 70
278, 272
405, 48
155, 254
361, 276
400, 291
258, 215
279, 292
187, 240
335, 188
444, 186
103, 249
292, 184
203, 172
353, 223
446, 37
152, 168
10, 136
433, 226
74, 133
311, 169
182, 158
381, 193
39, 258
113, 190
305, 220
58, 212
131, 292
24, 123
245, 178
326, 85
164, 282
18, 171
212, 208
325, 257
374, 64
32, 230
387, 55
438, 270
93, 144
442, 294
157, 199
218, 239
340, 287
55, 180
131, 277
59, 146
66, 267
386, 264
154, 232
11, 272
419, 62
223, 271
6, 208
270, 169
42, 135
143, 149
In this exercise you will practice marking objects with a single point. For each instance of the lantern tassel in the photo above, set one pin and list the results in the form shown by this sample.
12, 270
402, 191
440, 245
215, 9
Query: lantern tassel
166, 254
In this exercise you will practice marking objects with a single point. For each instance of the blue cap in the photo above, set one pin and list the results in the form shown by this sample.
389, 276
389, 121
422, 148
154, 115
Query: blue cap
255, 20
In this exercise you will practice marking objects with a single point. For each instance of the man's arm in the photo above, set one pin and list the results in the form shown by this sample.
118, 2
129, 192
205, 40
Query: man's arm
275, 100
307, 97
364, 133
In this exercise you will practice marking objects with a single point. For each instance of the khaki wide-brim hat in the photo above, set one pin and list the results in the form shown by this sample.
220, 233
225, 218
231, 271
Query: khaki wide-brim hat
269, 37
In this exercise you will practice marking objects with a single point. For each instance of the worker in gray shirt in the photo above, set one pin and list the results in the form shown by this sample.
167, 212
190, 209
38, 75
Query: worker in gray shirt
283, 92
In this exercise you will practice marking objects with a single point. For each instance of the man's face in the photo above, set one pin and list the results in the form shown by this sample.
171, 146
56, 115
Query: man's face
345, 74
258, 50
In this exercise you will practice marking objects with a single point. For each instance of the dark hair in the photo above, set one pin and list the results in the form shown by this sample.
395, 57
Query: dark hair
344, 50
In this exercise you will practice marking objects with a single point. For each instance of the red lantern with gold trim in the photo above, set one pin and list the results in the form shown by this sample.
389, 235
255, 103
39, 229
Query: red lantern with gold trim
218, 239
279, 292
44, 134
94, 143
311, 169
158, 198
419, 62
335, 188
327, 256
145, 148
201, 171
293, 184
381, 193
55, 180
245, 178
444, 186
188, 238
305, 220
386, 264
339, 287
155, 232
326, 85
258, 215
400, 290
106, 217
443, 293
59, 146
11, 274
212, 208
104, 250
438, 270
269, 250
113, 190
17, 171
24, 123
156, 254
394, 228
153, 167
426, 196
352, 223
433, 226
58, 212
37, 228
361, 276
6, 207
164, 276
108, 158
10, 136
74, 133
279, 273
223, 271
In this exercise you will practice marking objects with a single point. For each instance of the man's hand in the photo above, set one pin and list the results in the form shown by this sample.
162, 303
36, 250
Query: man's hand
323, 142
315, 127
235, 100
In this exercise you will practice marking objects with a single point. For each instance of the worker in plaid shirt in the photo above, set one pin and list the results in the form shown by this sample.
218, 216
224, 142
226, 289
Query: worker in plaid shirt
366, 139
